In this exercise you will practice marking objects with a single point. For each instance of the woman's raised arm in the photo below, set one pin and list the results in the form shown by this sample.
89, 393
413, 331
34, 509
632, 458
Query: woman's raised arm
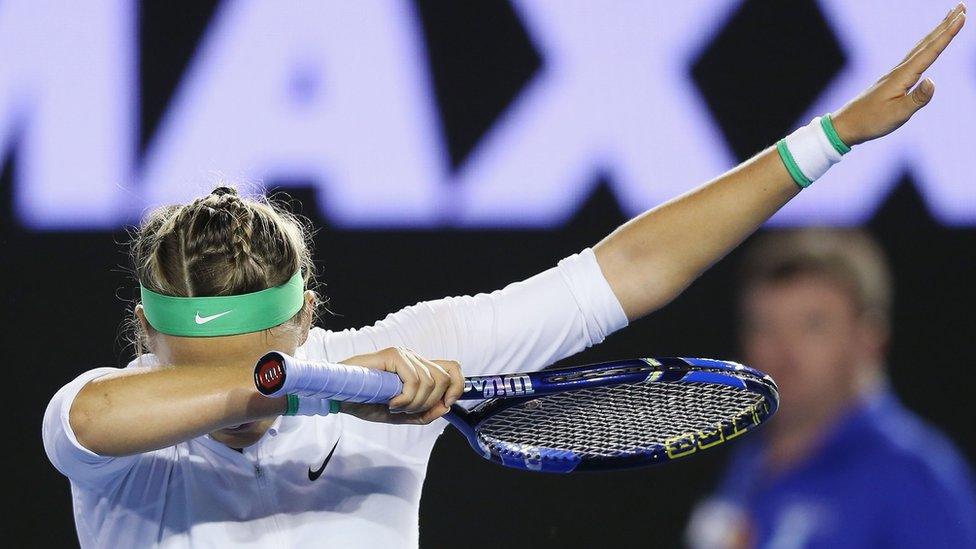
649, 260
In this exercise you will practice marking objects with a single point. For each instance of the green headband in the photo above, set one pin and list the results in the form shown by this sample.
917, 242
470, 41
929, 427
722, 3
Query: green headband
226, 314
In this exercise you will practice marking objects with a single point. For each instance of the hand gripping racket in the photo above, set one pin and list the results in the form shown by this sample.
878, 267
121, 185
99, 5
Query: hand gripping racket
610, 415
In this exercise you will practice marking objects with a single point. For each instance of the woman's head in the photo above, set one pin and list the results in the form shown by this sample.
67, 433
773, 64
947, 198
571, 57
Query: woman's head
221, 244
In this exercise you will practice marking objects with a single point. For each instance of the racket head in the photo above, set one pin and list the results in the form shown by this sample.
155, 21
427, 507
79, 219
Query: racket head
615, 415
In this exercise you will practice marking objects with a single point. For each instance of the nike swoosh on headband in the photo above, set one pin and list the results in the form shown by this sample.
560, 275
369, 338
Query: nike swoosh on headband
205, 319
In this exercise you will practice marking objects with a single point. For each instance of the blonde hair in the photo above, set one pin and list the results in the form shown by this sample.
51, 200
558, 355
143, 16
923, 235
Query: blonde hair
220, 244
850, 258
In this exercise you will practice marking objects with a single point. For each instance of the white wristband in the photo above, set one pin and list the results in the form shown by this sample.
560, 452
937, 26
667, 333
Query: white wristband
811, 150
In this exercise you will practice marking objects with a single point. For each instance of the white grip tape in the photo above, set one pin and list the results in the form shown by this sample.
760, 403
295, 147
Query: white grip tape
324, 380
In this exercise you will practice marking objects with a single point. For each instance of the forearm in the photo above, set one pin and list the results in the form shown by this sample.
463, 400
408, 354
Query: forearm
650, 259
139, 411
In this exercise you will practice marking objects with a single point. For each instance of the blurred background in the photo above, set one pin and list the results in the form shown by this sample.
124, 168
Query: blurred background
448, 148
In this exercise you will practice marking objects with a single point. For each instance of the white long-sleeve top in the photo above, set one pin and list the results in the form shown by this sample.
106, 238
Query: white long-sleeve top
201, 493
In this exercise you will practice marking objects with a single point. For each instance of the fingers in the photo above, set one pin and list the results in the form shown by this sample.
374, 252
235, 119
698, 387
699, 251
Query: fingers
426, 383
922, 94
960, 7
422, 418
450, 391
440, 381
457, 381
430, 415
429, 387
927, 53
407, 371
380, 414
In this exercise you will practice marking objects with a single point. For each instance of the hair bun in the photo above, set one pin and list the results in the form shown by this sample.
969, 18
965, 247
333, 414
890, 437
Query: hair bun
221, 191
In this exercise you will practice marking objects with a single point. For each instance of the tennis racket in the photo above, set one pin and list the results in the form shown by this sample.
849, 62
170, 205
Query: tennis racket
610, 415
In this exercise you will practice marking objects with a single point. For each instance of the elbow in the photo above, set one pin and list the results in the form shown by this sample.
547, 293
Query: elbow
643, 280
650, 293
84, 419
649, 302
660, 300
670, 289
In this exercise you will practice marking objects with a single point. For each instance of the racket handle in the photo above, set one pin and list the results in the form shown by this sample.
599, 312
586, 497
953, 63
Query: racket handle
277, 374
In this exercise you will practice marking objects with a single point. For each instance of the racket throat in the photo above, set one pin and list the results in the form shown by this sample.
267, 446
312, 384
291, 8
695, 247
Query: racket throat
461, 419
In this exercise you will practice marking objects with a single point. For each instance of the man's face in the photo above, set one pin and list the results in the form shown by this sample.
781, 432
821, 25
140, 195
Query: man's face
807, 334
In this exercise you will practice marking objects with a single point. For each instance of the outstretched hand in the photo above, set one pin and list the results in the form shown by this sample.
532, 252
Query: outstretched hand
893, 99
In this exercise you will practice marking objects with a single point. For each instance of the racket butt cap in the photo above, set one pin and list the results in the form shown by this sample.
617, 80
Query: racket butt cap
270, 373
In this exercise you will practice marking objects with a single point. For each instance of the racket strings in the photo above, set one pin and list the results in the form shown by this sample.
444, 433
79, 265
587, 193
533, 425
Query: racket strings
616, 420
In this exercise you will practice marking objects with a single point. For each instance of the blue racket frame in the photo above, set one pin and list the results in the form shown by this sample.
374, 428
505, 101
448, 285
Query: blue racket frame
505, 391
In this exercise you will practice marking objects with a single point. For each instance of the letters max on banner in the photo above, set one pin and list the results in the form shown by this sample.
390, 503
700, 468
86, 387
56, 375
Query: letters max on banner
343, 99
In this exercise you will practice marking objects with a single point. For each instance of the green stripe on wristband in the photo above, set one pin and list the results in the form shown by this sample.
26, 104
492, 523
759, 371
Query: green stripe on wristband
334, 406
828, 127
790, 163
292, 408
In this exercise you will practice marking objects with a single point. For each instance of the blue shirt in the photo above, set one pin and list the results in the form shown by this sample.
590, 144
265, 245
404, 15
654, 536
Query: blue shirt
882, 478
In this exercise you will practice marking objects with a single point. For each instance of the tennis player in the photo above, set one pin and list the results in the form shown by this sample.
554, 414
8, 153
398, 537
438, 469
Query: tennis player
178, 449
844, 464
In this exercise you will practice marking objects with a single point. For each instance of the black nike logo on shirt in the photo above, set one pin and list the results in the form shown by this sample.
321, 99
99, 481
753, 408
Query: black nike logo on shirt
312, 475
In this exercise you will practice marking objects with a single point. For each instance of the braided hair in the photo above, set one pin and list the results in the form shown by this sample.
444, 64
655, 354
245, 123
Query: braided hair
220, 244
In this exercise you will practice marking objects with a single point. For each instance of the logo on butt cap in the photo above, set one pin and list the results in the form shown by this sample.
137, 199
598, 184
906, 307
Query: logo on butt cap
269, 373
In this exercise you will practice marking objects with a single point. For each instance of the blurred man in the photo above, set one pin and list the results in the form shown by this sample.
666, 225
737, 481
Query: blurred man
843, 463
